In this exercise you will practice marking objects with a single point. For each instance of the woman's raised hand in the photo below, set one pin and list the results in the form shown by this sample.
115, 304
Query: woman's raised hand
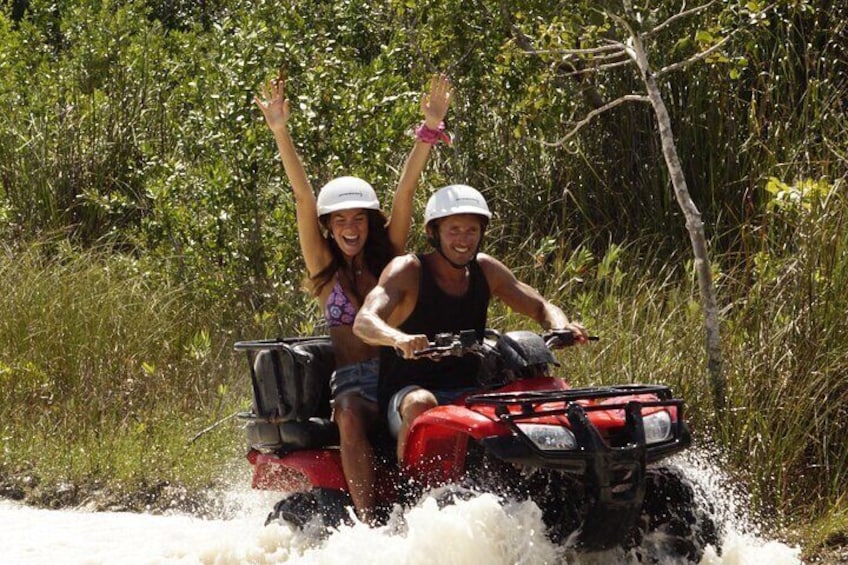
273, 103
435, 105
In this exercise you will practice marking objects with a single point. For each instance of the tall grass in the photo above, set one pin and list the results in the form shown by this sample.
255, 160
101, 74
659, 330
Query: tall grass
784, 344
793, 318
106, 369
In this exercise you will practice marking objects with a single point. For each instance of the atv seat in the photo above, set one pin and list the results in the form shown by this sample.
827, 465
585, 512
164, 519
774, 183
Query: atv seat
291, 394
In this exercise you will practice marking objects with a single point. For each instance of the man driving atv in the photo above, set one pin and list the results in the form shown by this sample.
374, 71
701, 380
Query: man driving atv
445, 290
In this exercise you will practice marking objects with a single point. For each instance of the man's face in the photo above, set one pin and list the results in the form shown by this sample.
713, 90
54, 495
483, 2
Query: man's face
459, 236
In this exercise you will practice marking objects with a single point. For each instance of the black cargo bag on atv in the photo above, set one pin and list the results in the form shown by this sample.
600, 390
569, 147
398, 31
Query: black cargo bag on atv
291, 394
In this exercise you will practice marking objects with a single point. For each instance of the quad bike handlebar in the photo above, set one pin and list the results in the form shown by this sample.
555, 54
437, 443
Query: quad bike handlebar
452, 345
560, 339
466, 342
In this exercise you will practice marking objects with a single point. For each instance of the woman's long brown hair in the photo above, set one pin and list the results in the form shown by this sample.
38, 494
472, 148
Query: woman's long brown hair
376, 253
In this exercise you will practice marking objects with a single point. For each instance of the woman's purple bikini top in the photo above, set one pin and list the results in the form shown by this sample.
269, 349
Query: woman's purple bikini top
339, 311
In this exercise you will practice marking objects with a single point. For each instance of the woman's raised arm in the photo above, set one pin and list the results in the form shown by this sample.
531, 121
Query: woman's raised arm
434, 107
275, 107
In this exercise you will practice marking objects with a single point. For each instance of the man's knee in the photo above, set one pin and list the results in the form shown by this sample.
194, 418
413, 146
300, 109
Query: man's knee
415, 403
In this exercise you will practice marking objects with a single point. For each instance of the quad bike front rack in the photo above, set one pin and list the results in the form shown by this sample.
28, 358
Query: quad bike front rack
611, 463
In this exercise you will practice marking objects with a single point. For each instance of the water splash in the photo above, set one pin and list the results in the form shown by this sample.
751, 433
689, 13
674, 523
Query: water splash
473, 531
478, 530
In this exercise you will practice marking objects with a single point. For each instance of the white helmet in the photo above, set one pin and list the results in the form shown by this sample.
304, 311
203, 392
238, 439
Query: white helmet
456, 199
346, 193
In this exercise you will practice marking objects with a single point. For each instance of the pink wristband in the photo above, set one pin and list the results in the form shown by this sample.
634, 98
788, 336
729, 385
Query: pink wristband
432, 136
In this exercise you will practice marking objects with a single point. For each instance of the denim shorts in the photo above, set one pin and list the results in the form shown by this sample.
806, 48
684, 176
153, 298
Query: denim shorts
443, 396
360, 378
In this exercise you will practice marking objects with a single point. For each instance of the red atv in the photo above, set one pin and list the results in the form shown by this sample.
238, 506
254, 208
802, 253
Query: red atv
586, 456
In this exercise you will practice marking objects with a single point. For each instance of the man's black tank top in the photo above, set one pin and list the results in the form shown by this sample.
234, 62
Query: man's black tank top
437, 312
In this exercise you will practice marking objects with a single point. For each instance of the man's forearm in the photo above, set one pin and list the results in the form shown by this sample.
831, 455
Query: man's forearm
371, 329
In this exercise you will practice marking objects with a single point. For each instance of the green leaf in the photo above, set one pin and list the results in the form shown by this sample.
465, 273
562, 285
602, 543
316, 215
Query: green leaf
704, 36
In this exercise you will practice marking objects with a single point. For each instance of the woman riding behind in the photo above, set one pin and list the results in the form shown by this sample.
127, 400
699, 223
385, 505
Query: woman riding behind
344, 266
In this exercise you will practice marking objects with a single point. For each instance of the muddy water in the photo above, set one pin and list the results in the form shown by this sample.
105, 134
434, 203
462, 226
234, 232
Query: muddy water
482, 530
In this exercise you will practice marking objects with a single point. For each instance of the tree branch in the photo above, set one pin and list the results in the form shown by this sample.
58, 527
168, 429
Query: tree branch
573, 69
597, 68
593, 114
677, 16
601, 50
607, 66
622, 22
693, 59
620, 54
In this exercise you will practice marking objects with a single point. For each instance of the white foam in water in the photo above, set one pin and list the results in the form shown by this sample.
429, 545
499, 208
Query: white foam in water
477, 531
480, 530
741, 542
741, 549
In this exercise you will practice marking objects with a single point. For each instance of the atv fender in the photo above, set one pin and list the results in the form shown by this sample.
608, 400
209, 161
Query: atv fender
298, 470
438, 443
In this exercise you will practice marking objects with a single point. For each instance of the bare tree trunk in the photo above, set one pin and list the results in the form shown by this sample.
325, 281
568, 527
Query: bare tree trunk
694, 225
611, 55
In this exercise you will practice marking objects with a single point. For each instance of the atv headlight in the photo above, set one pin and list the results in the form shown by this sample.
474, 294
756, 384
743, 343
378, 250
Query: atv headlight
549, 438
657, 427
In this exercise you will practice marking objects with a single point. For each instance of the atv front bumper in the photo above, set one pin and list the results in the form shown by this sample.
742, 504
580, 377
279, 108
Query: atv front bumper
611, 464
595, 455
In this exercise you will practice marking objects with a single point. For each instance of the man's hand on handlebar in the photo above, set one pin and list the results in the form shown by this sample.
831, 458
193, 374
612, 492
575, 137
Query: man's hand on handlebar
571, 334
579, 332
406, 345
451, 345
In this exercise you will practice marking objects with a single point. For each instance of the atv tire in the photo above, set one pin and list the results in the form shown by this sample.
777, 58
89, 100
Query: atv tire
450, 494
300, 508
672, 520
561, 499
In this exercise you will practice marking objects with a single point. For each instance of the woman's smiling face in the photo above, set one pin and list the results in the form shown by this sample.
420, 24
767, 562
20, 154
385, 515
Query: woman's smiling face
349, 229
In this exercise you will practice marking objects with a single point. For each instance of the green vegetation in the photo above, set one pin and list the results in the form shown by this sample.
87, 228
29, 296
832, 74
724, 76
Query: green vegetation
106, 369
146, 223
